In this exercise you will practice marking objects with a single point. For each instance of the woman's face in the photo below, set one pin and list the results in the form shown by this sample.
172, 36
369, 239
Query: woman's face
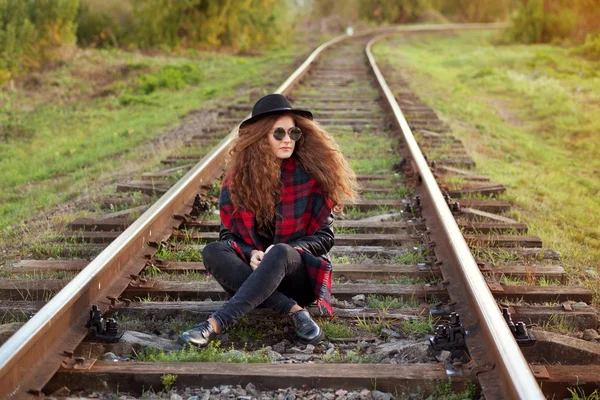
283, 148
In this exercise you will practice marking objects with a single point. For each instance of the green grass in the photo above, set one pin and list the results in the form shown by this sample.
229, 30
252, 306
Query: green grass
59, 137
494, 258
59, 250
336, 329
388, 302
37, 275
529, 117
418, 327
558, 324
179, 253
349, 259
578, 393
346, 357
183, 276
340, 230
212, 353
380, 165
246, 330
444, 391
398, 193
355, 212
412, 257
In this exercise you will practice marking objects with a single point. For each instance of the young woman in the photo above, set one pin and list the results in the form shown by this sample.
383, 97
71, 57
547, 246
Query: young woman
285, 176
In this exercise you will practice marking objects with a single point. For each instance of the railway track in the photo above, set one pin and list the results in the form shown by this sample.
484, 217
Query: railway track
402, 261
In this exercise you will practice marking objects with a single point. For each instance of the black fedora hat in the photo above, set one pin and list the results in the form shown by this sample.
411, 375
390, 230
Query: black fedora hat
273, 104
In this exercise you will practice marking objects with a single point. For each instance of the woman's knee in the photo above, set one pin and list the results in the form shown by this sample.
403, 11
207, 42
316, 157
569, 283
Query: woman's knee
282, 250
281, 256
212, 253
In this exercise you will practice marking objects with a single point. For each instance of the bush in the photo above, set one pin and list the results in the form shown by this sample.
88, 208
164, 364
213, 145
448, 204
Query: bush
545, 21
104, 23
170, 77
392, 11
474, 11
591, 47
33, 33
239, 24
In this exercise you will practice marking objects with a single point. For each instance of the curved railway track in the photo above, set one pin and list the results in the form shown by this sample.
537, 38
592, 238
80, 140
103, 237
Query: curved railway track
348, 96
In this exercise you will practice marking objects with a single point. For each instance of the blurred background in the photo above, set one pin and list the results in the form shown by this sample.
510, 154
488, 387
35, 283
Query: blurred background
38, 34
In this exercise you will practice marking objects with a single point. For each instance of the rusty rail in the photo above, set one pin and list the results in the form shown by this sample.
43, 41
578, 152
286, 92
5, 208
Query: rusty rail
500, 365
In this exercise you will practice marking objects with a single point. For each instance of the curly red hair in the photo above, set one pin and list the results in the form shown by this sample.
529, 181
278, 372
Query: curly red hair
254, 171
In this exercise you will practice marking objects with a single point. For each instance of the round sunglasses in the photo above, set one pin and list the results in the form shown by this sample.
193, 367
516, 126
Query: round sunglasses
294, 132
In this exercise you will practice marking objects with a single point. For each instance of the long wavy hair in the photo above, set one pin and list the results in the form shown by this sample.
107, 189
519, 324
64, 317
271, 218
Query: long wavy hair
254, 171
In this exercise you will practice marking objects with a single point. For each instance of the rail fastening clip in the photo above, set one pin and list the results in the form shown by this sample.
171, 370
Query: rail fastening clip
101, 330
450, 336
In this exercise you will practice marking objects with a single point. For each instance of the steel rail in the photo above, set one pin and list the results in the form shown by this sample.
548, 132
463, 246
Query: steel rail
515, 379
58, 327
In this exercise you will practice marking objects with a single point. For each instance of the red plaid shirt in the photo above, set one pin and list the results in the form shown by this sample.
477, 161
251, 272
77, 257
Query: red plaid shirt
302, 210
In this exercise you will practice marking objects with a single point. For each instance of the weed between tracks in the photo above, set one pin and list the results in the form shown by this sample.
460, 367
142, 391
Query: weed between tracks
179, 252
212, 353
387, 302
398, 193
352, 212
579, 394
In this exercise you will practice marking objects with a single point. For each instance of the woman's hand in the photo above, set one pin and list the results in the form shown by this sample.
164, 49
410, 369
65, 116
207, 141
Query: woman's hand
256, 258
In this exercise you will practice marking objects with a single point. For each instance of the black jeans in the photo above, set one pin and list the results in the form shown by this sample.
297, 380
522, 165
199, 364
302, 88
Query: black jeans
279, 282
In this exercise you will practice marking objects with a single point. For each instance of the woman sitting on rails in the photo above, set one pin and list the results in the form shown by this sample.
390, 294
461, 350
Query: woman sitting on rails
285, 176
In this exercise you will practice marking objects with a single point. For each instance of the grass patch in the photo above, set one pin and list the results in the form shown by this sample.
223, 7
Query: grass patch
558, 324
346, 357
183, 276
527, 115
37, 275
412, 257
246, 331
444, 391
494, 258
344, 231
354, 259
212, 353
178, 252
62, 250
370, 166
398, 193
373, 325
336, 329
83, 114
418, 327
355, 213
387, 302
578, 393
